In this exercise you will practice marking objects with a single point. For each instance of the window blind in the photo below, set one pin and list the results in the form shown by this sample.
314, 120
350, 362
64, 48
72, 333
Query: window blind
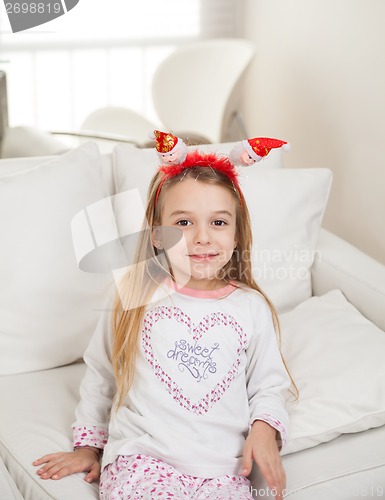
101, 54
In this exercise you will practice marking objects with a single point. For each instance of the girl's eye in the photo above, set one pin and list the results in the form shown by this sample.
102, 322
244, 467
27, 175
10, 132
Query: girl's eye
219, 223
183, 222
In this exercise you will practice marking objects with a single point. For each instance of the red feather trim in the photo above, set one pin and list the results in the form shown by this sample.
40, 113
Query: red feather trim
198, 159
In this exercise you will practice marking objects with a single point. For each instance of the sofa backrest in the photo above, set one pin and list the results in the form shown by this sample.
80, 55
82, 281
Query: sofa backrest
49, 306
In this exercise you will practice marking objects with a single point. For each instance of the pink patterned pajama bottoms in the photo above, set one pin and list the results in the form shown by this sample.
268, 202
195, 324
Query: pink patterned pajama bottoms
141, 477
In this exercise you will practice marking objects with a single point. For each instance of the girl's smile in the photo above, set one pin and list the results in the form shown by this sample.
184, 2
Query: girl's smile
203, 257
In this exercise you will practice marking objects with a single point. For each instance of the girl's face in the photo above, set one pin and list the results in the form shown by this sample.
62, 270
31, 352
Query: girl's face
206, 214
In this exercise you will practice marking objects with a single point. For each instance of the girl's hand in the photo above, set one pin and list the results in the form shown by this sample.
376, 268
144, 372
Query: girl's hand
58, 465
261, 445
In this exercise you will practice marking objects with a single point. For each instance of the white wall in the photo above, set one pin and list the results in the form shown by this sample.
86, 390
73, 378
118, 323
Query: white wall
318, 81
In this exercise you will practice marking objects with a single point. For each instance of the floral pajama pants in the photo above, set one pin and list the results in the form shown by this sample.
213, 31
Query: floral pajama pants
141, 477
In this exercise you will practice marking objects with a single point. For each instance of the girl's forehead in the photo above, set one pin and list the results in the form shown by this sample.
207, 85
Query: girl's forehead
191, 193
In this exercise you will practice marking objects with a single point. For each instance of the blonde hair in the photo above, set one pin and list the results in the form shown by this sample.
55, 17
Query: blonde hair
151, 267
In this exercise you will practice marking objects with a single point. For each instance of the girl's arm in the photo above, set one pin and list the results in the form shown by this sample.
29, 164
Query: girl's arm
261, 446
97, 389
267, 383
90, 430
266, 377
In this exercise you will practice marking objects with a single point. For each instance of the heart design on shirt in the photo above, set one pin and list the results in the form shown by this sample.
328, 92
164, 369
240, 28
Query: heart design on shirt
193, 333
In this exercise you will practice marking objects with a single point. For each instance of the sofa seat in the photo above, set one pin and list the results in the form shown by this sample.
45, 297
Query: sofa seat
347, 467
38, 409
8, 487
351, 463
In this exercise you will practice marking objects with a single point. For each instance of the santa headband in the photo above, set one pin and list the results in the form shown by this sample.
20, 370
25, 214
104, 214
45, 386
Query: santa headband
175, 159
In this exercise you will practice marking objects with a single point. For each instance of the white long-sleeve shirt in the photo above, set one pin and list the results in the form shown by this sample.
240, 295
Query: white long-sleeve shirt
208, 365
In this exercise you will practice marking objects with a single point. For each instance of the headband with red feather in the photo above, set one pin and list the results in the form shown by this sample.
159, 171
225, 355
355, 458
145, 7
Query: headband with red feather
173, 152
219, 163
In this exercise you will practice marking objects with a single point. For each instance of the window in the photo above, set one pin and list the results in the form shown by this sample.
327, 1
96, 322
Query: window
101, 54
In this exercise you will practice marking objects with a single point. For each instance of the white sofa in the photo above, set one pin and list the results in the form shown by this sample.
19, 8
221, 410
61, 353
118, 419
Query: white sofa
49, 307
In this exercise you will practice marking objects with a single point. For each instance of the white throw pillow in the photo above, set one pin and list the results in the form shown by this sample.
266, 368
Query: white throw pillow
48, 307
336, 358
286, 207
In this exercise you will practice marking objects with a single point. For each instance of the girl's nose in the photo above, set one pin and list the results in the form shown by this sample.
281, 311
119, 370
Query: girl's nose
201, 236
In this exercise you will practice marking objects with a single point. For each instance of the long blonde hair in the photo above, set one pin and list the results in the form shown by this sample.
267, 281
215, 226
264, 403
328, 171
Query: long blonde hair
151, 267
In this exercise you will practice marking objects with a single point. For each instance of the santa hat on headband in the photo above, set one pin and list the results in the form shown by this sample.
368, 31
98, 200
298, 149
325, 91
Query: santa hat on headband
249, 151
171, 149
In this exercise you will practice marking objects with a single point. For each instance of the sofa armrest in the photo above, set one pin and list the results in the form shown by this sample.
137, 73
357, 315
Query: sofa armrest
338, 264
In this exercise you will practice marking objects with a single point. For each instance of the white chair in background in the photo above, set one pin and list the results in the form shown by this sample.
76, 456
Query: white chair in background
109, 126
119, 121
194, 89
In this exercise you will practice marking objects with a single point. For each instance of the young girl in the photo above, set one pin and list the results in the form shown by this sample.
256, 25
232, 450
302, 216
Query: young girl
185, 382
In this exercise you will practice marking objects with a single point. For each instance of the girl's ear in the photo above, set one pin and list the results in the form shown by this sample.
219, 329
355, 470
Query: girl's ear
156, 237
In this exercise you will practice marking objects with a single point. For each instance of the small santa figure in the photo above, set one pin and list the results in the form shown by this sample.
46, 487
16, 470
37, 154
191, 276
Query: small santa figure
170, 149
247, 152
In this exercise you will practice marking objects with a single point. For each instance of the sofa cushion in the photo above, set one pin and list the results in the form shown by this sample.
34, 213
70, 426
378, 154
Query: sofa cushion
37, 422
48, 307
337, 469
11, 166
8, 487
336, 358
286, 207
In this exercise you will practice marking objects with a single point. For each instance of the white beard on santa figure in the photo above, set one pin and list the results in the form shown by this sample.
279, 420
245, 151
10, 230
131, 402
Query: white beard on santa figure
175, 156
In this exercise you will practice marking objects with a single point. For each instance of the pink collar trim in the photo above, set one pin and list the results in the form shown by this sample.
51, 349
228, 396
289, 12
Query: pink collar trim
202, 294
